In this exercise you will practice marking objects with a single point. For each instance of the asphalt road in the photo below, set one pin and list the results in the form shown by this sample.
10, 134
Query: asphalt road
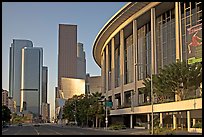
53, 129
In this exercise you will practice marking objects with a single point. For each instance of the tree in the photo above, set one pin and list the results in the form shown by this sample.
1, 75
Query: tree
176, 78
84, 108
6, 114
98, 108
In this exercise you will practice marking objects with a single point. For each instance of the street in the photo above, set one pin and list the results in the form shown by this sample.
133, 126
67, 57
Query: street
54, 129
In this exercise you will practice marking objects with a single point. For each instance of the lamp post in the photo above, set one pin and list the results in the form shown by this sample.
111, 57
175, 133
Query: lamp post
152, 99
106, 118
106, 98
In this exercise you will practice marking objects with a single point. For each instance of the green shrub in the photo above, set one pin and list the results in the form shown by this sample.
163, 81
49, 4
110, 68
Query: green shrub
117, 127
198, 125
163, 131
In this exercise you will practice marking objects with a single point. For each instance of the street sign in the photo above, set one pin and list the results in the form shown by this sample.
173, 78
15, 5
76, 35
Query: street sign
109, 104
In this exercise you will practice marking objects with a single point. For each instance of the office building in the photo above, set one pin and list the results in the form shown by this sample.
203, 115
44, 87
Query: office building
138, 40
4, 97
45, 112
71, 65
44, 83
67, 52
15, 68
81, 62
31, 79
93, 84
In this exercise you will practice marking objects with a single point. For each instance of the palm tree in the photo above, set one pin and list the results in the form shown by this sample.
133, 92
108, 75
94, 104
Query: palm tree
97, 106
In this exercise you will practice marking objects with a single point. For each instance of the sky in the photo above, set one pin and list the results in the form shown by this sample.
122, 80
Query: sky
39, 22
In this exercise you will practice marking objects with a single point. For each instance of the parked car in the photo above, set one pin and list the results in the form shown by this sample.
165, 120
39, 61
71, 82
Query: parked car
36, 125
5, 126
20, 124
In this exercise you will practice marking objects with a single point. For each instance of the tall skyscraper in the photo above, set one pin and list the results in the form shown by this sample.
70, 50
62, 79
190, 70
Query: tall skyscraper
67, 52
31, 79
71, 66
15, 68
44, 84
81, 62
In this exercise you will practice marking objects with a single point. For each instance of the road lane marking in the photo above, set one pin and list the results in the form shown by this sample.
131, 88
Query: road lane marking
36, 131
18, 131
55, 131
5, 130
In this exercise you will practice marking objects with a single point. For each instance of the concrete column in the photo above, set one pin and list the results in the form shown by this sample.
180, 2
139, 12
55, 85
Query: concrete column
113, 69
131, 121
194, 121
177, 30
148, 121
135, 43
153, 61
188, 120
102, 74
122, 65
107, 66
174, 121
153, 42
161, 120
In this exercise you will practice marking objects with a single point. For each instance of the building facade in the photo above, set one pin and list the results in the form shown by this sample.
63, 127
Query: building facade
11, 105
138, 40
15, 68
44, 84
45, 112
93, 84
81, 62
71, 65
71, 87
31, 79
67, 52
4, 97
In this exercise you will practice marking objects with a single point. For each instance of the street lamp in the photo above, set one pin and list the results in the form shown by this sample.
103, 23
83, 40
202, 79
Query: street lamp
106, 98
103, 99
152, 99
106, 119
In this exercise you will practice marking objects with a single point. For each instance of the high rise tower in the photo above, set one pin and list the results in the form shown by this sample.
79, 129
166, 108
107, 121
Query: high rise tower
31, 79
15, 68
67, 52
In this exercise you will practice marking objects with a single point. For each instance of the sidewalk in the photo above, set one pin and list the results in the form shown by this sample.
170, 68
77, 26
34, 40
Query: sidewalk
130, 131
127, 131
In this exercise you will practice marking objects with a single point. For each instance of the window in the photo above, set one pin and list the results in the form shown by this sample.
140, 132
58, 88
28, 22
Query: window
165, 39
128, 62
144, 52
117, 61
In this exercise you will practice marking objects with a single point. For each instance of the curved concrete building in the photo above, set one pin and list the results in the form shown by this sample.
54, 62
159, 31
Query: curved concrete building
138, 40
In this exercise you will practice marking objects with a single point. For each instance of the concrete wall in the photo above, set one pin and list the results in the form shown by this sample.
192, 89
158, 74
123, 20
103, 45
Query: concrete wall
165, 107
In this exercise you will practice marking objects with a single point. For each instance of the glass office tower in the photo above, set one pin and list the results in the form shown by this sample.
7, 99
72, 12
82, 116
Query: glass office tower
15, 69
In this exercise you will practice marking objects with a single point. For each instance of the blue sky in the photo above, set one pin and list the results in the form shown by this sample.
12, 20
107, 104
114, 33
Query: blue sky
39, 21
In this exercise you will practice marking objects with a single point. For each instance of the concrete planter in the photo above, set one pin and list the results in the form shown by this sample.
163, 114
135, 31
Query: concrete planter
139, 127
196, 130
